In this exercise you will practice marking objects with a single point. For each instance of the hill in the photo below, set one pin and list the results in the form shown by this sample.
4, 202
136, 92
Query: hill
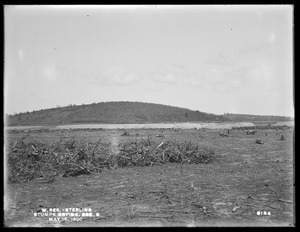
111, 112
256, 118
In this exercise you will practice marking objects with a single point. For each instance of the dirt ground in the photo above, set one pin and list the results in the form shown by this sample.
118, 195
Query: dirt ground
248, 181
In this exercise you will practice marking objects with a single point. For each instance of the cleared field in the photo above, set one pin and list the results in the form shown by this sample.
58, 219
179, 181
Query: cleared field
246, 178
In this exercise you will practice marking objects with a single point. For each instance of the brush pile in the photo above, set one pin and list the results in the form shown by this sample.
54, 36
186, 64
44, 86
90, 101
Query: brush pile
35, 161
146, 153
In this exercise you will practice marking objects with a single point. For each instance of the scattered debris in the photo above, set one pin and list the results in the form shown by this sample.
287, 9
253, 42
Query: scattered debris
289, 202
160, 144
235, 208
251, 132
160, 135
244, 162
125, 133
282, 138
259, 141
223, 135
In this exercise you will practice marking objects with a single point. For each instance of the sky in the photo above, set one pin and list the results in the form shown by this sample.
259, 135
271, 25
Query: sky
215, 59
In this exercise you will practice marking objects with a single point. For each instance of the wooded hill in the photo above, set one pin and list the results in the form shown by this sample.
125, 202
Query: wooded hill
111, 112
256, 118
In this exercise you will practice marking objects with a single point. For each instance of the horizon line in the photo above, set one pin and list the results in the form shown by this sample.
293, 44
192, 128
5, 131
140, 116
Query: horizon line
12, 114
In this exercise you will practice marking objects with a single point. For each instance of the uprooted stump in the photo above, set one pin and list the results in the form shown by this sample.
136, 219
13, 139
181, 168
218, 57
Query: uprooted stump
259, 141
125, 133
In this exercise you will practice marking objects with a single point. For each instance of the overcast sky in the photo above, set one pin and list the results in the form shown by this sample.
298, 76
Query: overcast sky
215, 59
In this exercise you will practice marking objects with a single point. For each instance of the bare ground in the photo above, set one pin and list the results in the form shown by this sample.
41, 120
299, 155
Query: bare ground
248, 178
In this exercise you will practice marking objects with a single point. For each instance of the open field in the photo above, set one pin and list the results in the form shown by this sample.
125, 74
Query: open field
245, 178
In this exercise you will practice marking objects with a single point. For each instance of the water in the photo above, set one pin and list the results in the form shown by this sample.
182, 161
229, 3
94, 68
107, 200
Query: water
211, 125
288, 123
